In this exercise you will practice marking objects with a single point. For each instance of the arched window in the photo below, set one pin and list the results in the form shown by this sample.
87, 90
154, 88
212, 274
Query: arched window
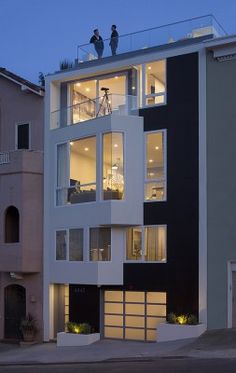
12, 222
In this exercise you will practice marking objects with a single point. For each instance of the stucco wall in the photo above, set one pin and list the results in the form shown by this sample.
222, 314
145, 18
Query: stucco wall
221, 183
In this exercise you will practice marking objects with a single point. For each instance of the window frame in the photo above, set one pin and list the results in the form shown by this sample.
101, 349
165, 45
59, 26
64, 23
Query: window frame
68, 245
18, 124
88, 251
142, 260
158, 180
143, 84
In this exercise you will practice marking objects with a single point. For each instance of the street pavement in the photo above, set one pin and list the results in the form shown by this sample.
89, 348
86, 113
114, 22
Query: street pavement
220, 344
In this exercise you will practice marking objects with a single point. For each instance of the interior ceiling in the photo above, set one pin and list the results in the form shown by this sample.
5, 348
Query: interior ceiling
116, 85
157, 70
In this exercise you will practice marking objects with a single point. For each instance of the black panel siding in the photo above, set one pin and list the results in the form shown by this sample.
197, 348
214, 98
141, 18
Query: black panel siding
84, 305
179, 276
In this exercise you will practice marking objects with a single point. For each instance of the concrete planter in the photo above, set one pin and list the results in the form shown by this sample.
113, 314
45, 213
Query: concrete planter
173, 332
72, 339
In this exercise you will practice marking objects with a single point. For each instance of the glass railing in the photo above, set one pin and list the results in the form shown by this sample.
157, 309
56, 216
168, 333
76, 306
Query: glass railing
187, 29
94, 108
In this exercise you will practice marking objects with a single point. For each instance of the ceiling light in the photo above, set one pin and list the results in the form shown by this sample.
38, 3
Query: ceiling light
156, 147
151, 173
116, 77
87, 89
86, 149
78, 84
71, 143
150, 160
149, 67
133, 88
115, 145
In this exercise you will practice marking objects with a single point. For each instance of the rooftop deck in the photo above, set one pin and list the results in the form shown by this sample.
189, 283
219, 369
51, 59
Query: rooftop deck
157, 36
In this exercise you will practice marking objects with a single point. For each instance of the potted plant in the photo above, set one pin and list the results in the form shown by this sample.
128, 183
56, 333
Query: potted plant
77, 335
28, 327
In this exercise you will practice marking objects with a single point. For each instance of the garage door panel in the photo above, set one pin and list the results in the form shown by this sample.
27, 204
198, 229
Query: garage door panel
133, 314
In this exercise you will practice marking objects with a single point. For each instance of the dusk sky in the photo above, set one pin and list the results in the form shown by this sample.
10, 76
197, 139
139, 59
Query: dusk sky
35, 35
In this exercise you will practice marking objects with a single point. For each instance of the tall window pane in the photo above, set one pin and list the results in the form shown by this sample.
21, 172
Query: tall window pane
155, 82
82, 170
134, 244
61, 245
76, 244
113, 166
100, 244
155, 178
146, 243
155, 244
62, 174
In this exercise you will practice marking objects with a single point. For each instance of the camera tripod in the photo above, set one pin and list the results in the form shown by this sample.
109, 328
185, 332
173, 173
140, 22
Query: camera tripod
105, 103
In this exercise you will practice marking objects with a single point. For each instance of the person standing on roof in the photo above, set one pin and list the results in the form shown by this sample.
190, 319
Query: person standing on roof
97, 40
114, 40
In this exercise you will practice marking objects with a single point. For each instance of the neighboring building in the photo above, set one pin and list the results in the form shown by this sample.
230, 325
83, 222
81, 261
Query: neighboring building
221, 181
21, 200
126, 221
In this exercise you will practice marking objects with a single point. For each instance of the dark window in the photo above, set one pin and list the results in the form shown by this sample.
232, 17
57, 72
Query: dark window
23, 136
12, 221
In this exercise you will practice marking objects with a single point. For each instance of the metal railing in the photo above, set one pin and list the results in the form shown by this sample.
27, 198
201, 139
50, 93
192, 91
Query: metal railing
173, 32
94, 108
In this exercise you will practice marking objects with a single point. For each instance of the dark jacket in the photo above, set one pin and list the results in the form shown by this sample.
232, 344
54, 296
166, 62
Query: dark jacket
114, 38
98, 43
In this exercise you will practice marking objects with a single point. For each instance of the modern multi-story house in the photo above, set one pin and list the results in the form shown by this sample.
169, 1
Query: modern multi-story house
129, 193
21, 200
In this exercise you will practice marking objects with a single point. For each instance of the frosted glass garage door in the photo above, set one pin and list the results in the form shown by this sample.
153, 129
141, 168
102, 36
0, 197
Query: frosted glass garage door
133, 314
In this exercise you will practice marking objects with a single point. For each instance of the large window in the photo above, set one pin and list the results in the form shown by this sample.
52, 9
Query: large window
155, 166
113, 166
155, 82
82, 170
100, 244
69, 244
146, 243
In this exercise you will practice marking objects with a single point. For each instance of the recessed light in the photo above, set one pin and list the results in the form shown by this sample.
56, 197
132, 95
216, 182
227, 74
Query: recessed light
150, 160
133, 88
151, 173
78, 84
71, 143
149, 67
86, 149
115, 145
87, 89
156, 147
116, 77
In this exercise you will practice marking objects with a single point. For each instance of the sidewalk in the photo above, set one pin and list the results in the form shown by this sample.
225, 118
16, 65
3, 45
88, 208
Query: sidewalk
214, 344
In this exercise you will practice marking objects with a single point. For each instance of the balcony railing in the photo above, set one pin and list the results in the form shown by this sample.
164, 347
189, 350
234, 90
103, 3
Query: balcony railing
187, 29
94, 108
4, 158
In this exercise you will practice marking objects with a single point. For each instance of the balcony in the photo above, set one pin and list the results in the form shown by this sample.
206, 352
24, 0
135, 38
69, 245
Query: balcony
157, 36
20, 161
94, 108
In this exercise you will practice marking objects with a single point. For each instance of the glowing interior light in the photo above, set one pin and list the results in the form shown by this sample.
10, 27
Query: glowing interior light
149, 67
156, 147
87, 89
86, 149
150, 160
115, 145
71, 143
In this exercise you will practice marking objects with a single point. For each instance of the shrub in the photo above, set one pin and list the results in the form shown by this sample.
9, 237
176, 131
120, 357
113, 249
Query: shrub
73, 327
192, 320
28, 324
171, 318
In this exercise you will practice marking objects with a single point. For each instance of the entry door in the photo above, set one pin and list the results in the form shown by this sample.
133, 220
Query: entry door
15, 310
234, 299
